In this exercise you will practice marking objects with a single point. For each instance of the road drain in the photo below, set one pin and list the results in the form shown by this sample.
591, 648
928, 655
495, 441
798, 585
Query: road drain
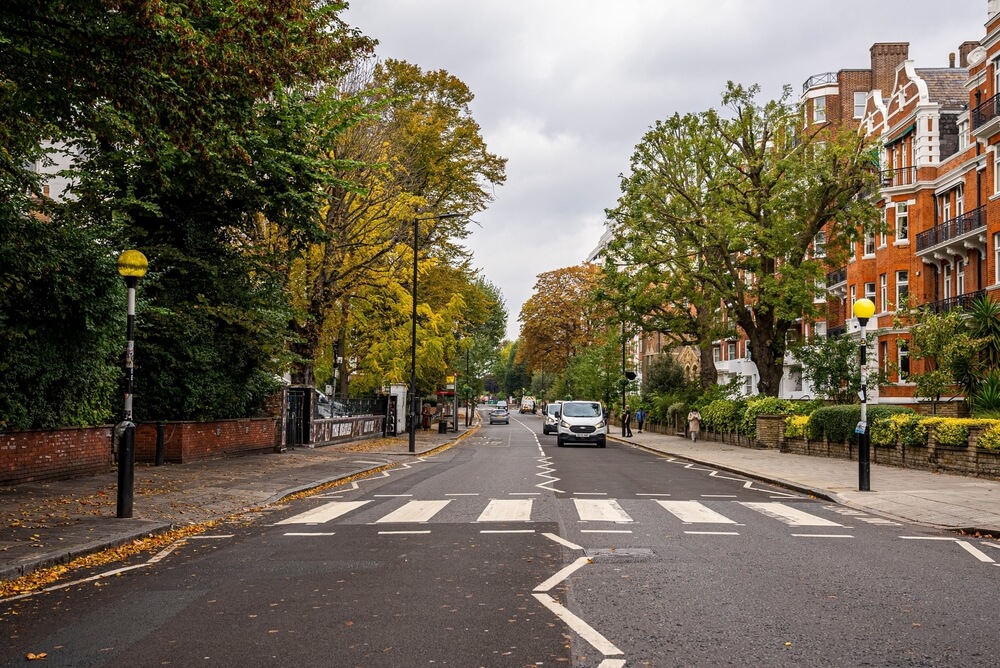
620, 554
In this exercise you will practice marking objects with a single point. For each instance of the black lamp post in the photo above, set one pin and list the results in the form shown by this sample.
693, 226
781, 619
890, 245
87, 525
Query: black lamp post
132, 266
413, 331
863, 310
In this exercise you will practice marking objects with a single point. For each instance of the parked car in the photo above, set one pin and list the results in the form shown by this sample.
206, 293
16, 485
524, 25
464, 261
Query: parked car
582, 421
499, 416
550, 419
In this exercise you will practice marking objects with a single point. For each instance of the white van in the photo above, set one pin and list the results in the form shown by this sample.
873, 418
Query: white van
582, 421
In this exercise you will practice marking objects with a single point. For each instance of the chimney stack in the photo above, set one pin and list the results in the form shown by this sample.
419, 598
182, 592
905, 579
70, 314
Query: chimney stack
963, 53
886, 57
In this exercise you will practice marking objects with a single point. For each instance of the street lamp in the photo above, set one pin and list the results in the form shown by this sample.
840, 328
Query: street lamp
132, 266
413, 331
863, 310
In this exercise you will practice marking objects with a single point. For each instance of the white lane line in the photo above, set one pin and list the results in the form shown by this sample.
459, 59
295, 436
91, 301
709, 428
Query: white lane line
582, 628
218, 535
506, 531
612, 663
525, 493
401, 533
463, 494
306, 533
718, 496
694, 512
590, 493
790, 516
714, 533
653, 494
507, 510
562, 541
822, 535
563, 574
162, 554
391, 496
605, 531
600, 510
993, 545
414, 511
975, 551
324, 513
928, 538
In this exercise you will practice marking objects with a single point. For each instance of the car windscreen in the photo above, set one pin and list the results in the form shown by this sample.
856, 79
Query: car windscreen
581, 410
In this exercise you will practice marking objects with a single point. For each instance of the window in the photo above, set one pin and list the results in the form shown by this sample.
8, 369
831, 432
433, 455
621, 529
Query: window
854, 296
902, 221
883, 357
731, 351
960, 278
903, 359
883, 292
796, 381
819, 110
869, 243
870, 291
716, 354
959, 201
946, 281
963, 134
996, 170
902, 286
819, 244
860, 98
996, 258
945, 207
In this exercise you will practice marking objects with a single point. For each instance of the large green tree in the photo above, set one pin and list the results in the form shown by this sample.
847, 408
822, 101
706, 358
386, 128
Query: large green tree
718, 215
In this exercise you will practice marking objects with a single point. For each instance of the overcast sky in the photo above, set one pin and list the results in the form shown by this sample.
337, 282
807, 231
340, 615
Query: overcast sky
565, 89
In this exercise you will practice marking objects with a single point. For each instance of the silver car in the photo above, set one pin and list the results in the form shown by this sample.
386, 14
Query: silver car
499, 416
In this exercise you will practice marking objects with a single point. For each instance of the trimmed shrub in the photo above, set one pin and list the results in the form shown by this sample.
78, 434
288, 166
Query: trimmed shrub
881, 429
952, 432
722, 415
835, 423
795, 426
990, 439
763, 406
909, 429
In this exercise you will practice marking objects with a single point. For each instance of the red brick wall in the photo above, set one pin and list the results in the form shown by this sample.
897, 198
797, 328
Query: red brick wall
54, 454
190, 441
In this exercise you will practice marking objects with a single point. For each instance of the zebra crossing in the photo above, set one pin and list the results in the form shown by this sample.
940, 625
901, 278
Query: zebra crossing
470, 509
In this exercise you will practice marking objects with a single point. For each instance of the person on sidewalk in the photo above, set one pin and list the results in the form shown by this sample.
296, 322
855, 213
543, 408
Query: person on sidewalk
694, 424
640, 418
627, 422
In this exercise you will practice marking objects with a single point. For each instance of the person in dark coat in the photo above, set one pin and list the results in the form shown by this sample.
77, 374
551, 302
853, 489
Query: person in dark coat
627, 422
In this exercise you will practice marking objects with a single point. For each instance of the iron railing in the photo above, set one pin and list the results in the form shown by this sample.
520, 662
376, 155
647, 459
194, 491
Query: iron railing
836, 277
819, 79
952, 303
952, 229
986, 112
898, 176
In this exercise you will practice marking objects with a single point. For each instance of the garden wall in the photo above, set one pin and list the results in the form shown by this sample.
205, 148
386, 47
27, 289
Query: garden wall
53, 454
190, 441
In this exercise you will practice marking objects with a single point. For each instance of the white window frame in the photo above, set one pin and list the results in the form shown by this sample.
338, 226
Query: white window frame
903, 360
870, 291
960, 278
946, 281
869, 243
716, 354
883, 291
902, 285
996, 170
902, 221
819, 109
996, 258
731, 350
854, 296
819, 244
963, 134
860, 102
959, 201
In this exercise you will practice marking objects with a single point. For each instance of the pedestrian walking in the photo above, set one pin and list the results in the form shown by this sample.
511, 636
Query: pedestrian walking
694, 423
627, 422
640, 418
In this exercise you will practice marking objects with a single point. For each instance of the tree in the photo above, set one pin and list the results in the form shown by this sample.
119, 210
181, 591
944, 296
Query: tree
560, 318
832, 367
663, 376
718, 215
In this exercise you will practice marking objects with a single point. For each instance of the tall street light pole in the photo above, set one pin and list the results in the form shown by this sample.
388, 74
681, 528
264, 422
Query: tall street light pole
131, 266
863, 310
413, 330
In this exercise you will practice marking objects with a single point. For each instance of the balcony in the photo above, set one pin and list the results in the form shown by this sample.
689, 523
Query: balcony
960, 302
986, 118
825, 79
898, 176
834, 332
955, 236
836, 277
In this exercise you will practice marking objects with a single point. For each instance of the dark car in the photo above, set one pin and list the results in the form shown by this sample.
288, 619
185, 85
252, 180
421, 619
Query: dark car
499, 416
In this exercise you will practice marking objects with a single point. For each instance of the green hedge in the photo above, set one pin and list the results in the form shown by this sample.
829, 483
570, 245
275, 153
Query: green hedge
837, 423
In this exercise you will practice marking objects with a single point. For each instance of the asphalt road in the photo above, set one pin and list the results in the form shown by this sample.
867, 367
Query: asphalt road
509, 551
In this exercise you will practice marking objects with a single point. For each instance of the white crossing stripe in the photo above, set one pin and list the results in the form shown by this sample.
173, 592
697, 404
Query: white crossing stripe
791, 516
415, 511
324, 513
507, 510
694, 512
600, 510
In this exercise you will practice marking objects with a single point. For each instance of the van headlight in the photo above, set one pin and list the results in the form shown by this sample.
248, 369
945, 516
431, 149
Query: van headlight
599, 425
564, 424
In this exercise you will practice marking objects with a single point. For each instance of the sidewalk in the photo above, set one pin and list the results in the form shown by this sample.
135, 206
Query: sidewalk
49, 523
939, 500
